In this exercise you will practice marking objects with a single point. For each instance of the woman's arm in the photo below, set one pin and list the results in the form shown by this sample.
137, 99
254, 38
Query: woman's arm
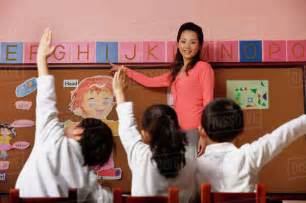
158, 81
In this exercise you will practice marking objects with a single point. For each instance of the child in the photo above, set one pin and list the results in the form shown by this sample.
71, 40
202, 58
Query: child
231, 169
156, 157
191, 81
62, 160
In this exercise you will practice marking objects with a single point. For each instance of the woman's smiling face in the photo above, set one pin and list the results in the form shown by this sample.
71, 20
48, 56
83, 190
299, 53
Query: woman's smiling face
188, 45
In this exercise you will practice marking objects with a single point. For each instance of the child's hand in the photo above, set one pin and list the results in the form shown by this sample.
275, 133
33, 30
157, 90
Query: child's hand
119, 81
119, 85
45, 49
116, 68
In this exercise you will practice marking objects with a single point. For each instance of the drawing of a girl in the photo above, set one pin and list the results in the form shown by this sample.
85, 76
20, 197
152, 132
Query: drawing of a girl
94, 98
6, 134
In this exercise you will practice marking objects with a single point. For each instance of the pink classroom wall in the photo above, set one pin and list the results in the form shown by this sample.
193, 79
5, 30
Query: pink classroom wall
81, 20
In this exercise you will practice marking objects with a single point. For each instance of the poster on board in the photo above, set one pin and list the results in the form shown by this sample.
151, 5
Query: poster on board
249, 94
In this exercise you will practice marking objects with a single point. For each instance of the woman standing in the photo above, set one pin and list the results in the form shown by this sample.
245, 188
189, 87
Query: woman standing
191, 81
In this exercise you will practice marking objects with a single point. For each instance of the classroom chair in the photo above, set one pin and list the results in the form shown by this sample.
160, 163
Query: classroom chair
173, 197
15, 198
227, 197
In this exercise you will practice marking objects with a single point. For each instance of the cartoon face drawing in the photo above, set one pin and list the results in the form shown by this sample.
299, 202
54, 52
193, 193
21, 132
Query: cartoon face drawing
97, 103
93, 97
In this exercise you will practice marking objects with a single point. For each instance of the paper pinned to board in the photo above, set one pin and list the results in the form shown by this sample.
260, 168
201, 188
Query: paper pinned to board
3, 177
4, 165
23, 123
26, 88
249, 94
21, 145
110, 174
23, 105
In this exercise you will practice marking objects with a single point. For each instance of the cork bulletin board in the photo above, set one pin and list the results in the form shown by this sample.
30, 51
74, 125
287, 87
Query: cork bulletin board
285, 173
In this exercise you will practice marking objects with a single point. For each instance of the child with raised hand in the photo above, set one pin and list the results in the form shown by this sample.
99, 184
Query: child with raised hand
231, 169
190, 80
60, 159
156, 156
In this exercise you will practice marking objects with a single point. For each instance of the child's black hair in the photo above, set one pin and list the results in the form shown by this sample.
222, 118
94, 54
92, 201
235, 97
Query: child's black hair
222, 120
97, 141
167, 141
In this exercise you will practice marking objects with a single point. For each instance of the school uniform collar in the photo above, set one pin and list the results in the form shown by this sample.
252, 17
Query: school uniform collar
220, 147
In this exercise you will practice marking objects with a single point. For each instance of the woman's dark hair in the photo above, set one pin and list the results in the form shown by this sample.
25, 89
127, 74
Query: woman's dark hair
222, 120
167, 141
97, 142
178, 60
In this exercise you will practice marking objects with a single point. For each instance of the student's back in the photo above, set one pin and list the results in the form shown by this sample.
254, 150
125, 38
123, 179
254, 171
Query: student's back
226, 168
60, 159
55, 165
156, 157
231, 169
147, 180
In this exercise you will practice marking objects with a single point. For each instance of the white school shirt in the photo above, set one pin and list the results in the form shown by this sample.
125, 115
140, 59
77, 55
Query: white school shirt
146, 180
56, 162
231, 169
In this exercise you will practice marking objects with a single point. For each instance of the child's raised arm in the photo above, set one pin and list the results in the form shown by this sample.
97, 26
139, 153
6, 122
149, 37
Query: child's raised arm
128, 133
46, 111
44, 51
119, 85
267, 147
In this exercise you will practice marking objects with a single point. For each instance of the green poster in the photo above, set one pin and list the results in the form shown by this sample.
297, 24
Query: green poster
249, 94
